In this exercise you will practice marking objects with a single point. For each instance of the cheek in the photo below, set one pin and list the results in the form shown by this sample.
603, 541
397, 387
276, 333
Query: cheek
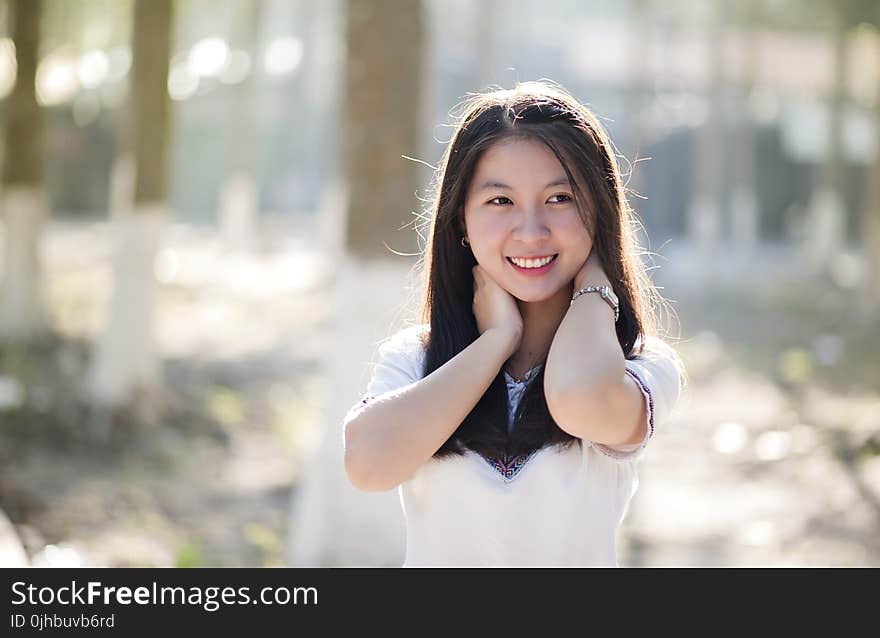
486, 236
577, 239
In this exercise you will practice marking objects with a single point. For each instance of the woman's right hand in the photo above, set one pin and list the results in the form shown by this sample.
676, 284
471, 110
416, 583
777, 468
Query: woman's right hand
495, 308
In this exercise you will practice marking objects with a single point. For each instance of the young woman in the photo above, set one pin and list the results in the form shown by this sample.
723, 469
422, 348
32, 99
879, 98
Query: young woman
512, 419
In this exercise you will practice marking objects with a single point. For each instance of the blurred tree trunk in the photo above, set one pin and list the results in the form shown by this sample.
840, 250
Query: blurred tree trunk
744, 200
639, 52
380, 123
23, 199
331, 522
483, 38
126, 361
239, 196
827, 213
871, 215
705, 211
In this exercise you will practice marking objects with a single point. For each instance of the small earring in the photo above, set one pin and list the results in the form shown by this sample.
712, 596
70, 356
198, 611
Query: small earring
465, 242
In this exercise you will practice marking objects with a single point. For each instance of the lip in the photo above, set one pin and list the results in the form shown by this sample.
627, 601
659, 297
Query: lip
533, 272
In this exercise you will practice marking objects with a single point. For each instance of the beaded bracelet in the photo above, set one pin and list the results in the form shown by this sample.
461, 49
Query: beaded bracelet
606, 293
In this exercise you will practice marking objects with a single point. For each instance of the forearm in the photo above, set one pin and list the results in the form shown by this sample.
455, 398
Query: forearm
389, 438
585, 370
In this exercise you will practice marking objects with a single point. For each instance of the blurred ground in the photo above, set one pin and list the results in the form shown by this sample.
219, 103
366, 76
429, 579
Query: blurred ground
774, 455
772, 458
206, 479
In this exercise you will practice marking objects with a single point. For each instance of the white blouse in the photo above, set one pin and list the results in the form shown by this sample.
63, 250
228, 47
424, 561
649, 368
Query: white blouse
551, 507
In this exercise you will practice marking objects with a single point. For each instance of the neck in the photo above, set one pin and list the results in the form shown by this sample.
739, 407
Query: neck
541, 319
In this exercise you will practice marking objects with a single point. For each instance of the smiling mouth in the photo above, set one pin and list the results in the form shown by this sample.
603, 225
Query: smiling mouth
532, 263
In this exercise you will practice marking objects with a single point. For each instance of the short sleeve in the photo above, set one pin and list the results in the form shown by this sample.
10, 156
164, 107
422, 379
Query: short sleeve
399, 362
658, 372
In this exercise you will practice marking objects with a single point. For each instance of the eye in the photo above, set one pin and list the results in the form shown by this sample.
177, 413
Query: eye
494, 199
567, 198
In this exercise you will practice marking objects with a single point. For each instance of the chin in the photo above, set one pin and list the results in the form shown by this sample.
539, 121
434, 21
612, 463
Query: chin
533, 297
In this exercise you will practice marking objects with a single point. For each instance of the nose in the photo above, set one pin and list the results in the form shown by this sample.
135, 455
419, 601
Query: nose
531, 227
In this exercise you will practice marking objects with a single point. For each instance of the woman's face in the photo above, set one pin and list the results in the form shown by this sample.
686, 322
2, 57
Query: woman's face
520, 206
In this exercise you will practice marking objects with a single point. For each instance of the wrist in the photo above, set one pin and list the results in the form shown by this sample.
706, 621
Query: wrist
507, 338
590, 278
605, 293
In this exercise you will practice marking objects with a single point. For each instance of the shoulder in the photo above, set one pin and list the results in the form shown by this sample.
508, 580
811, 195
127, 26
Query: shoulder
660, 373
657, 351
406, 341
404, 348
398, 361
655, 347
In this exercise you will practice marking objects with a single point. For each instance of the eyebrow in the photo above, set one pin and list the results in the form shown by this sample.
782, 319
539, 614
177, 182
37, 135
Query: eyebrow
492, 184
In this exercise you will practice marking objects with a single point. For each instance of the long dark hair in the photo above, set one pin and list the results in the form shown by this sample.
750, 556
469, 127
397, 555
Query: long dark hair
547, 113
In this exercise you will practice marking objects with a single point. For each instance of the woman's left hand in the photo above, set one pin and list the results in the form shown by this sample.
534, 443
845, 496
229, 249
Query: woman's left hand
591, 273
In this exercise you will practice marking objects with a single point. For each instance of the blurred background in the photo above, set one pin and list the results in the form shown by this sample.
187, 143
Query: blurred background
211, 215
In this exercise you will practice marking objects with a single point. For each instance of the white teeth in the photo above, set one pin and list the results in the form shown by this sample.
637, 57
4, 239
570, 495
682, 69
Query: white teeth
531, 263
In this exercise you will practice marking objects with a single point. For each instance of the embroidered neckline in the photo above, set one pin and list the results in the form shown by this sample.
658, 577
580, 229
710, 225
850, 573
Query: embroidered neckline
508, 466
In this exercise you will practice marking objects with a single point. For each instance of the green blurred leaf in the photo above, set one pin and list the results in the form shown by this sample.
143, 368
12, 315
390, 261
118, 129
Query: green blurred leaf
796, 365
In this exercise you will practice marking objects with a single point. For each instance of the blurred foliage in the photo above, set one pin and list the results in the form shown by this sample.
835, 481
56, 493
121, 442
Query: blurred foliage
189, 554
225, 405
796, 366
267, 540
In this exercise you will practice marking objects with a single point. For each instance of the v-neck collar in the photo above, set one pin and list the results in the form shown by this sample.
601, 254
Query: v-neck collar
529, 374
508, 466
